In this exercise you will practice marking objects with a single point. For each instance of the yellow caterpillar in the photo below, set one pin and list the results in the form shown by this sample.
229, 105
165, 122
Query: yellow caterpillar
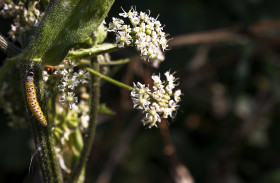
32, 99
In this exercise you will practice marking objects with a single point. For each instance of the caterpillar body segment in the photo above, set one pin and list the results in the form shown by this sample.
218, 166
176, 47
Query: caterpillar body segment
32, 98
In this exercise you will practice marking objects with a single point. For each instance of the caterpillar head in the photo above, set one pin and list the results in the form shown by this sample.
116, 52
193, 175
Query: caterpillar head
30, 72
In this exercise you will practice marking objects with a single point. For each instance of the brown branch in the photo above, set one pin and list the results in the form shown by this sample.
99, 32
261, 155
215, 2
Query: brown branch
180, 172
221, 35
266, 25
259, 31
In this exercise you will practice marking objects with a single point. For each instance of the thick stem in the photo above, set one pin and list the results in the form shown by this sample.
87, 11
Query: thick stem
89, 137
44, 143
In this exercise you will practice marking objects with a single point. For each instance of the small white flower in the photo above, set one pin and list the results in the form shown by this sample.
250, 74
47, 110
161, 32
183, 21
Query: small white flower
170, 78
70, 82
140, 96
81, 76
61, 88
157, 81
69, 99
135, 20
123, 39
45, 76
177, 95
132, 13
143, 16
151, 118
126, 28
115, 24
64, 72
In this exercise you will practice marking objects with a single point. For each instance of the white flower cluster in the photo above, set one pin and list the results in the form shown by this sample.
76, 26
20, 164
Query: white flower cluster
23, 17
162, 102
146, 34
68, 81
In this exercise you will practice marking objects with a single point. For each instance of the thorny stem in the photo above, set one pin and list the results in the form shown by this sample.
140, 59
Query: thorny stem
92, 52
115, 82
94, 103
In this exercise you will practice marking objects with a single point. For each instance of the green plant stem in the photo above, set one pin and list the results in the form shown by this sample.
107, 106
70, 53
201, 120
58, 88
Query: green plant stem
44, 140
117, 62
47, 159
115, 82
113, 62
92, 52
94, 103
9, 48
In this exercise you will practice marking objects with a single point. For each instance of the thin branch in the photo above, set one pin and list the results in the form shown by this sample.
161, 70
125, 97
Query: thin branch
115, 82
260, 31
111, 63
180, 172
221, 35
118, 62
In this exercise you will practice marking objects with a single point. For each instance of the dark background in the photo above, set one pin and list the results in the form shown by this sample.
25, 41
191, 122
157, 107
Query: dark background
227, 128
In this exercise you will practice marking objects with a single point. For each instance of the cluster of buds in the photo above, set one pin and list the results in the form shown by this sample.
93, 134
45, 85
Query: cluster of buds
146, 34
162, 102
24, 16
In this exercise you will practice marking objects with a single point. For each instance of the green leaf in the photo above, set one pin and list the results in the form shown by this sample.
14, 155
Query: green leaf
65, 23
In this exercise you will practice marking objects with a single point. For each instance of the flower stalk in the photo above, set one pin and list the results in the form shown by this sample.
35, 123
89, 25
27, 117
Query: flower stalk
88, 141
115, 82
117, 62
83, 62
